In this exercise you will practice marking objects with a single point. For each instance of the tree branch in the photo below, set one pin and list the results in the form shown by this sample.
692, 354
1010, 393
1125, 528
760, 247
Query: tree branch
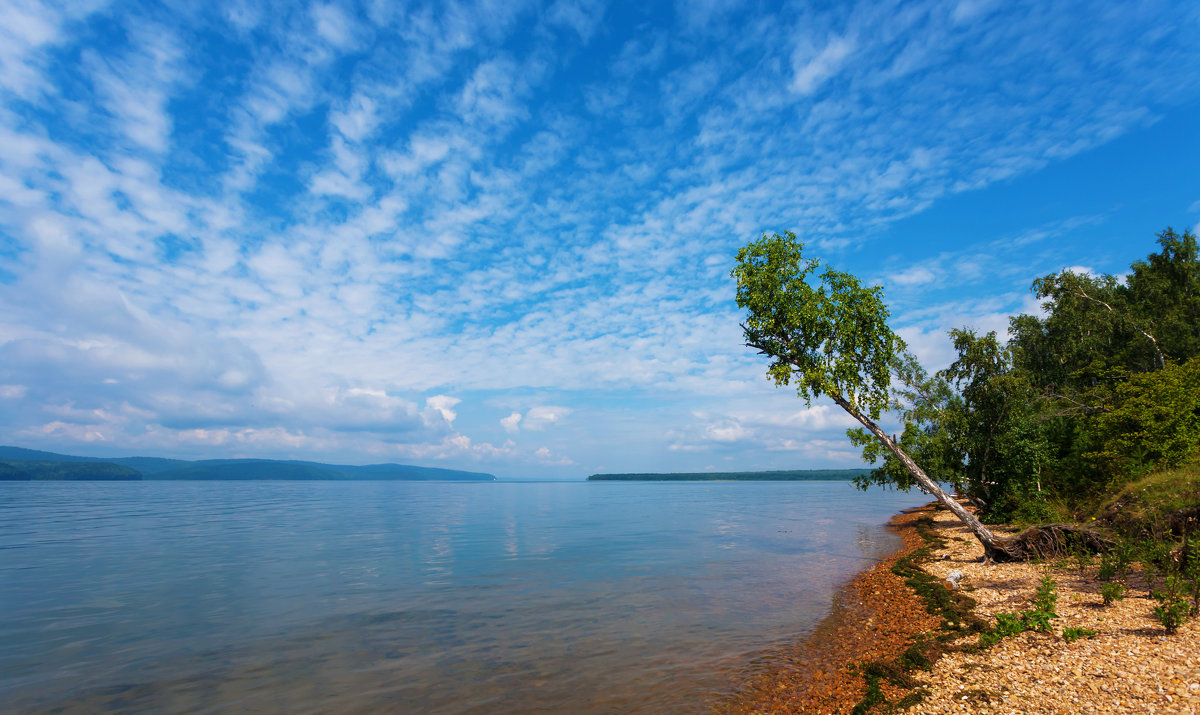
1153, 342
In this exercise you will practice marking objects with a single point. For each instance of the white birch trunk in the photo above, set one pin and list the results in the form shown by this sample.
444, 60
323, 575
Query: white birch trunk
991, 546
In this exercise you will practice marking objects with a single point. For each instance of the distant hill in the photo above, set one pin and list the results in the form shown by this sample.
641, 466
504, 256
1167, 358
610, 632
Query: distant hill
795, 475
243, 469
20, 464
66, 472
20, 454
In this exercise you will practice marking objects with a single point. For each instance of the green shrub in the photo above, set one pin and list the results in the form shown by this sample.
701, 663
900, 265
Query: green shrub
1081, 557
1171, 614
1072, 634
1010, 624
1123, 555
1046, 597
1038, 621
1112, 591
1007, 624
1156, 560
1173, 605
1190, 568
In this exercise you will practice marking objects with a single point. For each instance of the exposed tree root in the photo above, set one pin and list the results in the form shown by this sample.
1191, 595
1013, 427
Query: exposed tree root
1185, 521
1049, 541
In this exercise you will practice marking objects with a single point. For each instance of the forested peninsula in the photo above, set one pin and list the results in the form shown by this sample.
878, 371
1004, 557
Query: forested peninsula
794, 475
20, 464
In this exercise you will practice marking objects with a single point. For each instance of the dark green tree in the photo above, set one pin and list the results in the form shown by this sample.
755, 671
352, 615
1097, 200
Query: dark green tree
1165, 292
998, 429
1104, 361
1153, 422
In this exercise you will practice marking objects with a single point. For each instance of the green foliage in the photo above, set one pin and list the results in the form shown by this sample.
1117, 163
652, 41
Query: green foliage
1007, 624
1112, 591
1167, 290
11, 473
924, 401
826, 332
1081, 556
1045, 599
1123, 555
1190, 569
1090, 333
1149, 507
1174, 606
1114, 363
1074, 633
1099, 389
35, 464
1153, 422
997, 429
1114, 563
1171, 613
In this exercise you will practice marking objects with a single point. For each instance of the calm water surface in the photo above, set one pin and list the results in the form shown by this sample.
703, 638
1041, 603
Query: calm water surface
414, 597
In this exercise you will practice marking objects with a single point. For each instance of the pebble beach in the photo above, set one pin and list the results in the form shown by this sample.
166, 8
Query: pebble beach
1129, 666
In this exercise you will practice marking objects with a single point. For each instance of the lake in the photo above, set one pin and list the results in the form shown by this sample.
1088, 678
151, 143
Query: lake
495, 597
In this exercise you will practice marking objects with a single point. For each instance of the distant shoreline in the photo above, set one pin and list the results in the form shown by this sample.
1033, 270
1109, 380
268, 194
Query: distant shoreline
18, 464
793, 475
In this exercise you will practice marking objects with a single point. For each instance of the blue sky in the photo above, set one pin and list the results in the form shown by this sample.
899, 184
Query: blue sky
498, 235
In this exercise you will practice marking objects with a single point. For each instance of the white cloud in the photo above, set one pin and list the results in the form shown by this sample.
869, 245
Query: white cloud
28, 30
727, 431
511, 424
581, 16
357, 119
812, 68
917, 275
333, 25
968, 10
540, 417
442, 404
368, 213
135, 87
13, 392
546, 457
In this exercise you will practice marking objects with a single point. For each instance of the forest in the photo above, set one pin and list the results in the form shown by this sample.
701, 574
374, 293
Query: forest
1100, 390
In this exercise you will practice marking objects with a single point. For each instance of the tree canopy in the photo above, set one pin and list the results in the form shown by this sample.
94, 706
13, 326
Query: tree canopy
833, 340
830, 339
1101, 387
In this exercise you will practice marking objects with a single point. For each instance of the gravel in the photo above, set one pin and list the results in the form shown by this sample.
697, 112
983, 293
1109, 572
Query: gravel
1130, 666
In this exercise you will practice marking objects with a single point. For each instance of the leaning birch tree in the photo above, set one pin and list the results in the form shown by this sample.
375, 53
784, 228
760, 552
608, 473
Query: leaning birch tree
828, 335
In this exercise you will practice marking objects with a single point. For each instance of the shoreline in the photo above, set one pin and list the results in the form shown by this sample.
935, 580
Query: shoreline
1129, 665
873, 617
